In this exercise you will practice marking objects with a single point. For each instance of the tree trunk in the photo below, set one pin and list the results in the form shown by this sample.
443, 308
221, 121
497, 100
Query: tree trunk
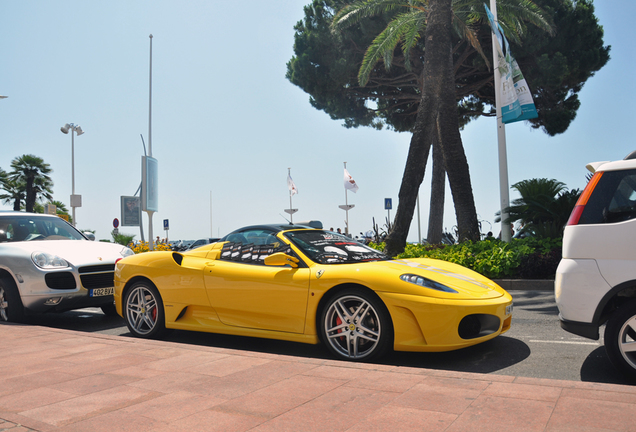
30, 196
436, 119
455, 159
438, 190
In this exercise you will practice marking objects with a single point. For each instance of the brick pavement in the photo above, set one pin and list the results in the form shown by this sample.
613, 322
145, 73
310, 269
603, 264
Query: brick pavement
61, 380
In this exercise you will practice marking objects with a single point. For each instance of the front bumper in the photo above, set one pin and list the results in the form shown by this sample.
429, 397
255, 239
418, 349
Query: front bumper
40, 293
427, 324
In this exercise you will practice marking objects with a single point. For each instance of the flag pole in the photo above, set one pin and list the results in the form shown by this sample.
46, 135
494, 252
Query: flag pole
347, 209
501, 137
291, 214
291, 186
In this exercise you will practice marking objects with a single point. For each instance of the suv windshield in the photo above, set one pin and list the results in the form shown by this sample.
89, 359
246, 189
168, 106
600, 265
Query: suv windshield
32, 227
327, 247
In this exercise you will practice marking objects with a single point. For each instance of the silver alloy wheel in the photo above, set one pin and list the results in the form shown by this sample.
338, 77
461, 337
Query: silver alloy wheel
352, 327
627, 341
4, 306
141, 310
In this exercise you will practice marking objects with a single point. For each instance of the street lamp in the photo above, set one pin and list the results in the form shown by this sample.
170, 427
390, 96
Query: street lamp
76, 200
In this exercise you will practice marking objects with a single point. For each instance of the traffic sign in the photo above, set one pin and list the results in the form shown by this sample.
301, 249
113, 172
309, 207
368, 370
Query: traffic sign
115, 223
388, 203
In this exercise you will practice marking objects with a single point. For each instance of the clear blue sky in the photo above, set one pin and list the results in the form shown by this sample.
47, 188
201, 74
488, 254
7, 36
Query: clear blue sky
227, 124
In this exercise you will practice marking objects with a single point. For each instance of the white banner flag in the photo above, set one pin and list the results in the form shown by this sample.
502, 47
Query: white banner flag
349, 182
516, 99
291, 186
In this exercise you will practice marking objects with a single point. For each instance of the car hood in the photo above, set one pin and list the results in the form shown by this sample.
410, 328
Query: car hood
75, 252
467, 283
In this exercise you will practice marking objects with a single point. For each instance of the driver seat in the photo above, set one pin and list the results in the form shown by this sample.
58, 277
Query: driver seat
20, 232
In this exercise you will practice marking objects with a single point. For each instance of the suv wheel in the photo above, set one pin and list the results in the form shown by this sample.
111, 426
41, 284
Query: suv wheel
11, 308
620, 339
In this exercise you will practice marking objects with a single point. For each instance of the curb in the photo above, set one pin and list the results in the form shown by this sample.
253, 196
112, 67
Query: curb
526, 284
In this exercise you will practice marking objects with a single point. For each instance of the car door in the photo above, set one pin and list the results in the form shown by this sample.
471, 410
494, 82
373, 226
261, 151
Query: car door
248, 293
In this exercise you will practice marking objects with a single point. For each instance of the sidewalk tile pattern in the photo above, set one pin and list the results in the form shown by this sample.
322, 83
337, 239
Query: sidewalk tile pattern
67, 381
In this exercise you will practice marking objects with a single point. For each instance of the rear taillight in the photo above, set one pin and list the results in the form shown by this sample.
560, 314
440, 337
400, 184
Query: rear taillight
575, 216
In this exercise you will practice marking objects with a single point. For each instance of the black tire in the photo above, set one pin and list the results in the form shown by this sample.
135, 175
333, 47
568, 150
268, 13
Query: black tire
620, 339
109, 309
143, 311
355, 325
11, 307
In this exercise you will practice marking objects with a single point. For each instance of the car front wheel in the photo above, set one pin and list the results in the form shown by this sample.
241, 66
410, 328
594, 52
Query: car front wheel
11, 308
355, 325
620, 339
143, 311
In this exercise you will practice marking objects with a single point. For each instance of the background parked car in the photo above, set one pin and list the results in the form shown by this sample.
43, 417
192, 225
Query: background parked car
202, 242
47, 265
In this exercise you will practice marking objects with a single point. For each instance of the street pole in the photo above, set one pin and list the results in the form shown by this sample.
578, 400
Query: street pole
73, 174
151, 240
501, 138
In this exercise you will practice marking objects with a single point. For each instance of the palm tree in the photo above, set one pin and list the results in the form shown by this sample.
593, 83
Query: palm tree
441, 129
544, 207
14, 193
33, 172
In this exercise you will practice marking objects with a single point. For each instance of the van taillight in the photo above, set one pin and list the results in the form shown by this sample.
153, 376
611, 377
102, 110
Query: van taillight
575, 216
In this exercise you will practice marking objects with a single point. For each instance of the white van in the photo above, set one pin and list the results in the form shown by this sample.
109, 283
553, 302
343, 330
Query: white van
596, 279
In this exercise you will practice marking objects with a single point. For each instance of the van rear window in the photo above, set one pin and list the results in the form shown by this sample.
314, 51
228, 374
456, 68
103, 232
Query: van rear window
613, 199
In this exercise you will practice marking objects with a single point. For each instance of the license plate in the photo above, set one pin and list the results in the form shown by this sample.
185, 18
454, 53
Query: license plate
509, 309
99, 292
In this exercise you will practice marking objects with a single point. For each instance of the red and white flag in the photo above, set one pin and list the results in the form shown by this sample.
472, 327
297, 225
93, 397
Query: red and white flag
291, 186
349, 182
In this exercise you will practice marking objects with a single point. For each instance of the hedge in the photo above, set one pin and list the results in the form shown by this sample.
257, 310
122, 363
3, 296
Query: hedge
528, 258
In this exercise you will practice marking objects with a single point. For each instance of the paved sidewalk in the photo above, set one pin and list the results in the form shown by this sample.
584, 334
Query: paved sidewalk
61, 380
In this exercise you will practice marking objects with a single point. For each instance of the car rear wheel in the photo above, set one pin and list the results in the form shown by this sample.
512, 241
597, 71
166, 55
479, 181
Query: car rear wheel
143, 311
11, 308
620, 339
355, 325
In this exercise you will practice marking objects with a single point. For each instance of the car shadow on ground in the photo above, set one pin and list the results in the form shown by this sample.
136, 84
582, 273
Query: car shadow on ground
483, 358
88, 320
598, 368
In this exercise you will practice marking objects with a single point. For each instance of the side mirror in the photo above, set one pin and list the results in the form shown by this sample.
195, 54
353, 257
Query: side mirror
281, 259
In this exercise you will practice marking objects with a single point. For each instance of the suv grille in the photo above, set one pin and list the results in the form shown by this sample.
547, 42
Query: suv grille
60, 280
97, 276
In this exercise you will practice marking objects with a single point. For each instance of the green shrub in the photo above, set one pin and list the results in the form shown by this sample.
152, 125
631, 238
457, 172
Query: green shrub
529, 258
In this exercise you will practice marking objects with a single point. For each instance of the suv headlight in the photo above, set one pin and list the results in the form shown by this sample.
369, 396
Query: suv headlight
126, 252
46, 260
426, 283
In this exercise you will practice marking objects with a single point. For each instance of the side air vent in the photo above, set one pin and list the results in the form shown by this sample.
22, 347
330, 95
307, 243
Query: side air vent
177, 257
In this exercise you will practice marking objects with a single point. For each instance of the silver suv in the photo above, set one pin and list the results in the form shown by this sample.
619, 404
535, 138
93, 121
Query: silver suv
596, 279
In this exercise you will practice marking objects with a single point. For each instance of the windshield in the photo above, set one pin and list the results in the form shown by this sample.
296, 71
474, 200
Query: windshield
327, 247
30, 227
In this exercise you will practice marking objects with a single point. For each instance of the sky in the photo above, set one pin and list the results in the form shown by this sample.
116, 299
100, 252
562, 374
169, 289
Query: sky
227, 125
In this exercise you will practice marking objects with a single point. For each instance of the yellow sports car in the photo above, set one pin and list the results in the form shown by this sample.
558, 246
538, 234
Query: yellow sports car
297, 283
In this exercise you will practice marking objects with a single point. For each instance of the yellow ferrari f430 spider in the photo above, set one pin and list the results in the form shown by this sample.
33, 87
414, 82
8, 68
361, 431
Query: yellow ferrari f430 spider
297, 283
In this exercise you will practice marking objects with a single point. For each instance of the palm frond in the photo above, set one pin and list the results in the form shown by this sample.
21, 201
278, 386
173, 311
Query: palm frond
357, 11
383, 46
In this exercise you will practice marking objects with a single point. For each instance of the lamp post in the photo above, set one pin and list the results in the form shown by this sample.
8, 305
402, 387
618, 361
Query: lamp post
76, 200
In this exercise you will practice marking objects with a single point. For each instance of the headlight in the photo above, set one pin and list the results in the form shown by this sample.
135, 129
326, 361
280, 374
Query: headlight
125, 252
426, 283
46, 260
